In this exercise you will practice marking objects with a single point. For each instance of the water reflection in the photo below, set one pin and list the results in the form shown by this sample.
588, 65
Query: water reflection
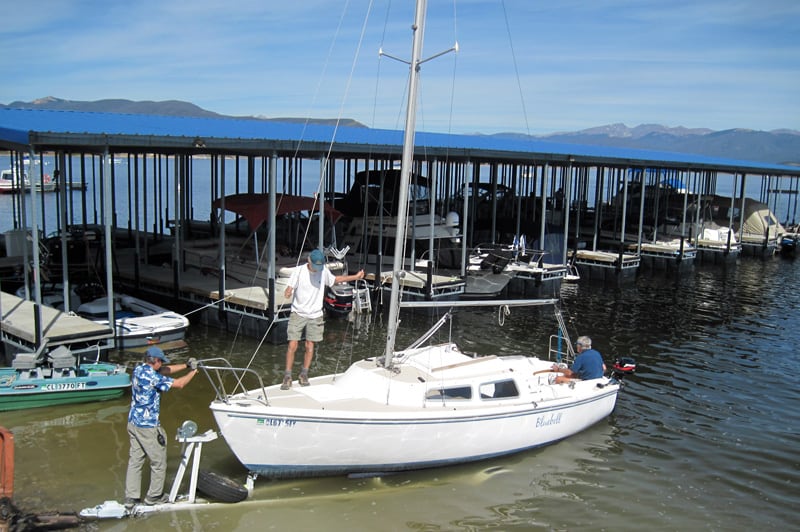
703, 436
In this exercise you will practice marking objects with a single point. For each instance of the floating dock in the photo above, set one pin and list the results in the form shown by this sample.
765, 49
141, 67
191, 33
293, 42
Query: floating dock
606, 265
24, 332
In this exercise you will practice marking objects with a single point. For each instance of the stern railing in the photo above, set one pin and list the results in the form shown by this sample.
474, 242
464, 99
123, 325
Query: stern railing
218, 371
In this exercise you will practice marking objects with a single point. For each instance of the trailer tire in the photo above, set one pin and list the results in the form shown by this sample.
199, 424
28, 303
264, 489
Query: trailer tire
220, 488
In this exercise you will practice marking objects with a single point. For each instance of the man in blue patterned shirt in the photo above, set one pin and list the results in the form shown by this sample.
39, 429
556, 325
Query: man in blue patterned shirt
148, 439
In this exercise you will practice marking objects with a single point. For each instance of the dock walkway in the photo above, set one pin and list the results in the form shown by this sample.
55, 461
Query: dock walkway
18, 327
245, 294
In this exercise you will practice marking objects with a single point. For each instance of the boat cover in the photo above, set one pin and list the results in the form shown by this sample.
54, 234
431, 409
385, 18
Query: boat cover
758, 219
254, 207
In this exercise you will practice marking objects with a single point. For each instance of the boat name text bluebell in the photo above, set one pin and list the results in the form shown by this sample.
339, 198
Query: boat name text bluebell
552, 419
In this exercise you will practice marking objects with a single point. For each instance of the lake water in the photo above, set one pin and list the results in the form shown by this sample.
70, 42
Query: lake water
704, 436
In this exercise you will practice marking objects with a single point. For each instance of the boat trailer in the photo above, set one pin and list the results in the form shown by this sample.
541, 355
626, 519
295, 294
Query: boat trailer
192, 444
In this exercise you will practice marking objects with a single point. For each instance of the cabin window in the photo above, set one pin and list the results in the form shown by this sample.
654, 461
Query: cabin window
455, 392
504, 389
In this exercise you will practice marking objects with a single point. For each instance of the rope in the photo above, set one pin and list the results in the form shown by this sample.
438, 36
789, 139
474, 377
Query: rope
502, 312
212, 304
516, 70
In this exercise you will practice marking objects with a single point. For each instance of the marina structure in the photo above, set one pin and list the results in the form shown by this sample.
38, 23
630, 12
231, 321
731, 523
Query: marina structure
148, 183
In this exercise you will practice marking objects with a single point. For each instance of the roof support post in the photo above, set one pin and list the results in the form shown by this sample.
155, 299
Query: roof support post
271, 270
37, 309
105, 180
321, 202
465, 211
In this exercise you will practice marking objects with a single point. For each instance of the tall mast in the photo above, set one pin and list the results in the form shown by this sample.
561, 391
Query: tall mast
405, 178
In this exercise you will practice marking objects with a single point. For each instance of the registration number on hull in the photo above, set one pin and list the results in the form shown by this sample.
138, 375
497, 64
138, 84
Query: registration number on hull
61, 386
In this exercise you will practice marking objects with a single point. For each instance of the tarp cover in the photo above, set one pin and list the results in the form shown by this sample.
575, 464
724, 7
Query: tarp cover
255, 207
758, 219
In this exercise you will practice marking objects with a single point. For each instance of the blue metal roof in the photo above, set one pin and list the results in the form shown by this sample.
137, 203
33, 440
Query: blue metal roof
21, 129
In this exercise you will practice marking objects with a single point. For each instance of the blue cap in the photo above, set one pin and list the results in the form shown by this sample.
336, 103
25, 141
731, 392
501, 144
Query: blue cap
156, 352
317, 258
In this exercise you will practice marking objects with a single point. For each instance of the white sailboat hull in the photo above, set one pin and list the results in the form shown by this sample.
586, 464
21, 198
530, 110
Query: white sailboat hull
372, 420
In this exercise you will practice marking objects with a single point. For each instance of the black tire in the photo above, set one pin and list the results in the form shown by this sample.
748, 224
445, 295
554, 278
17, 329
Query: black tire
219, 488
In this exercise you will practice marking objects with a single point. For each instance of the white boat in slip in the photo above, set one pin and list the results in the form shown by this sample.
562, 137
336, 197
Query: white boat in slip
137, 322
419, 407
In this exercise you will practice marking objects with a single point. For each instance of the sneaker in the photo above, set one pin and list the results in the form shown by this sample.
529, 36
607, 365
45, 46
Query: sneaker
161, 499
287, 382
303, 379
130, 502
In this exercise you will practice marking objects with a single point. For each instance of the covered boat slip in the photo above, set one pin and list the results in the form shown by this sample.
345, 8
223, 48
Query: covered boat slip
21, 329
167, 173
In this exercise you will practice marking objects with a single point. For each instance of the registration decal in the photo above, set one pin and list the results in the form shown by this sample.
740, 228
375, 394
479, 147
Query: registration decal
60, 386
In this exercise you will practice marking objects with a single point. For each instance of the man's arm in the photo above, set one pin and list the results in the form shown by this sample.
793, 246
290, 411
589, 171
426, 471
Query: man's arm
293, 280
564, 371
183, 380
172, 368
346, 278
178, 382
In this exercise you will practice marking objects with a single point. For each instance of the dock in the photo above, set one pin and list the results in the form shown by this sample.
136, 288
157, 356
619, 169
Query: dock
18, 327
606, 265
422, 286
168, 245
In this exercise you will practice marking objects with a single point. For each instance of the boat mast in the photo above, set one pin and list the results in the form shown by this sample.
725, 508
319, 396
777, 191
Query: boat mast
405, 179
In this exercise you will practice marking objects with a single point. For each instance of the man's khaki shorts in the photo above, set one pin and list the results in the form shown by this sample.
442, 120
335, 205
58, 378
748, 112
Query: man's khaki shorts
314, 327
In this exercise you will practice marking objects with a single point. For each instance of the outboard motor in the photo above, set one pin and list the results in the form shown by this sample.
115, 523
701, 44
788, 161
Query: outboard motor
338, 299
623, 366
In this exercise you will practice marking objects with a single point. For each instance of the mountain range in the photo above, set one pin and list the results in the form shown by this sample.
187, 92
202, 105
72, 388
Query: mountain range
780, 146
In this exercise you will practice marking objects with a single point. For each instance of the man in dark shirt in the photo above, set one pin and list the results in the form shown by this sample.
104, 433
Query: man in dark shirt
587, 365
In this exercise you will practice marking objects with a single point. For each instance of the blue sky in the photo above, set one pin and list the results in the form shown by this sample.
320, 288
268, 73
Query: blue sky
523, 65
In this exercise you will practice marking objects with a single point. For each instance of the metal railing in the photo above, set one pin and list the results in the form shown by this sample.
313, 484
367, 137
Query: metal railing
226, 376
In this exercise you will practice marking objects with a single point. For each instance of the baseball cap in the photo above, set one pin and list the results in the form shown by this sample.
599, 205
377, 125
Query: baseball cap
317, 258
156, 352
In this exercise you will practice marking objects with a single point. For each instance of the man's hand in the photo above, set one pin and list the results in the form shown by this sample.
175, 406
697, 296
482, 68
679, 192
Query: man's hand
191, 363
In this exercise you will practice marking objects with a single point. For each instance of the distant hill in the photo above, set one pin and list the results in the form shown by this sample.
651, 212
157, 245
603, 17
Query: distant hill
778, 147
781, 146
165, 108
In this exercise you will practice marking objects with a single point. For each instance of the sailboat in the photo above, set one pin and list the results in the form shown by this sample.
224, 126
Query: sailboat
420, 407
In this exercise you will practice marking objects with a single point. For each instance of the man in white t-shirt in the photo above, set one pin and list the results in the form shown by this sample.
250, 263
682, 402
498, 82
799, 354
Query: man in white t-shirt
307, 289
